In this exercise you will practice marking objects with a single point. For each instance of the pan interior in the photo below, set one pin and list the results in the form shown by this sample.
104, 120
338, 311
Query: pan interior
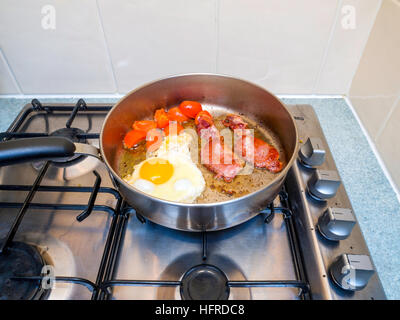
216, 93
219, 190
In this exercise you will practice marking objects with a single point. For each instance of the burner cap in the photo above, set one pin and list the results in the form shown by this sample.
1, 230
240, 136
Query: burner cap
204, 282
20, 259
72, 134
69, 168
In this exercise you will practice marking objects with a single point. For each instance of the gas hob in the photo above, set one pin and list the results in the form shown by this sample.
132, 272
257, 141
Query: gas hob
68, 234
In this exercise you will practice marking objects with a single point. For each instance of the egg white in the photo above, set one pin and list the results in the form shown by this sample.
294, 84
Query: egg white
187, 182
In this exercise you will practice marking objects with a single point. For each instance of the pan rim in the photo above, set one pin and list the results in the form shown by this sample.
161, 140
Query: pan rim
278, 177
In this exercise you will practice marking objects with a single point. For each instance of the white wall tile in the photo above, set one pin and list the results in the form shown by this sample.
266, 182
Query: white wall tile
388, 145
276, 43
379, 69
373, 112
157, 38
377, 81
281, 44
346, 46
70, 59
7, 84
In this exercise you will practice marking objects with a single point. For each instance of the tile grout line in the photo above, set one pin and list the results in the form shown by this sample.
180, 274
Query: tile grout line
328, 45
107, 48
364, 46
387, 118
10, 71
374, 149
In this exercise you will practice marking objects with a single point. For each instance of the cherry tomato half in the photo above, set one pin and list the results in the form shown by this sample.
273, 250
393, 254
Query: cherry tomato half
169, 129
144, 125
133, 137
154, 139
204, 114
190, 108
161, 117
175, 114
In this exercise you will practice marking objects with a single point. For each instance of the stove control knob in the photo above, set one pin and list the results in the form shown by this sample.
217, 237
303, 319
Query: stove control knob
323, 184
336, 223
352, 271
312, 153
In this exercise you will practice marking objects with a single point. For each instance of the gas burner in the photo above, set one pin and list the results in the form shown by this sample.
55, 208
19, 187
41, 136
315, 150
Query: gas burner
73, 135
66, 169
204, 282
20, 260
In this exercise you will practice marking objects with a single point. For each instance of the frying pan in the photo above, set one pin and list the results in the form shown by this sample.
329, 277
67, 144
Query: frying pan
213, 92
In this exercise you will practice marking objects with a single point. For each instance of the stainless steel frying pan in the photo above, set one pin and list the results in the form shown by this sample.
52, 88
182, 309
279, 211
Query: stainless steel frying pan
212, 91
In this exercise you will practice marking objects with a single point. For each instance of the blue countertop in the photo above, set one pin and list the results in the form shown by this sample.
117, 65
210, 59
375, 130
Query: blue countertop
374, 201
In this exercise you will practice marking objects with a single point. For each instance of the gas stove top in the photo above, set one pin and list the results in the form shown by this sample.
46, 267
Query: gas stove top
68, 234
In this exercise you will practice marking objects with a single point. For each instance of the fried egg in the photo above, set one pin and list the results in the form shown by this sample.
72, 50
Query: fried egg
169, 173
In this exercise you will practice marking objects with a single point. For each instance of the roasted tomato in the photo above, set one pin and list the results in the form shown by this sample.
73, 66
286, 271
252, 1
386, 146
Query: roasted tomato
190, 108
144, 125
154, 139
161, 117
175, 114
133, 137
169, 128
204, 114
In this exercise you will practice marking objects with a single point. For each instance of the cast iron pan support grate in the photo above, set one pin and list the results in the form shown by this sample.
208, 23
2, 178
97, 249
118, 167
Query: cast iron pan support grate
300, 283
86, 210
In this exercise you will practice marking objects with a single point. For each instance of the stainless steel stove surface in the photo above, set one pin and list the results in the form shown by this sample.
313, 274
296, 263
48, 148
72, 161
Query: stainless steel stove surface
94, 246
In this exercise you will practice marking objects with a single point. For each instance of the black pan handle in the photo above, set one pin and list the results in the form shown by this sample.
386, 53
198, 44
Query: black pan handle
31, 149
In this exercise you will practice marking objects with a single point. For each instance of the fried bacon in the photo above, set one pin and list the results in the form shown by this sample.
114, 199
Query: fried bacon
234, 121
218, 158
253, 150
215, 155
205, 126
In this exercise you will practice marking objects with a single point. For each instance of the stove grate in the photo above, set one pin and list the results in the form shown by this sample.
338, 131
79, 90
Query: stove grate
86, 210
301, 282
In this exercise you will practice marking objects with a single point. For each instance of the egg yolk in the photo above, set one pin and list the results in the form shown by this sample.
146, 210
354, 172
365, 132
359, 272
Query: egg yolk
157, 171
